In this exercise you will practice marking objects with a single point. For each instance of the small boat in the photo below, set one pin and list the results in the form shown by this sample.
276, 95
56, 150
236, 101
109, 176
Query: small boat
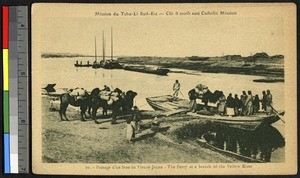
83, 65
269, 80
96, 65
110, 64
51, 85
149, 70
167, 103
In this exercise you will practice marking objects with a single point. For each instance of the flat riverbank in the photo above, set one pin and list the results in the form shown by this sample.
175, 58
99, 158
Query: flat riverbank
231, 64
87, 142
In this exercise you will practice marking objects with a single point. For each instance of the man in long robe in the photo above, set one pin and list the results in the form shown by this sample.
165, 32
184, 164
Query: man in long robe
176, 89
222, 104
243, 101
230, 105
249, 104
193, 96
264, 101
269, 102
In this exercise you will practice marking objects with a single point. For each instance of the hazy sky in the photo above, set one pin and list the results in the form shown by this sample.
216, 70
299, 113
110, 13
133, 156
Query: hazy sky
165, 36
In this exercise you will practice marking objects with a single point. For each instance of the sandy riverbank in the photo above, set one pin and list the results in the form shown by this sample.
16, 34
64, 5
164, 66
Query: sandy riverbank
87, 142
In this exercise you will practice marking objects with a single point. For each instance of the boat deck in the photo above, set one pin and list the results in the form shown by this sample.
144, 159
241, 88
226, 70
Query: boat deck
168, 104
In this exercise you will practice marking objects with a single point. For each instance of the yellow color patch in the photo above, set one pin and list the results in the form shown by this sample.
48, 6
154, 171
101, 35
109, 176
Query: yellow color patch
5, 70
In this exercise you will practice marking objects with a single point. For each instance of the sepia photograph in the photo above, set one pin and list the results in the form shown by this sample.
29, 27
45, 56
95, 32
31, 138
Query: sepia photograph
164, 89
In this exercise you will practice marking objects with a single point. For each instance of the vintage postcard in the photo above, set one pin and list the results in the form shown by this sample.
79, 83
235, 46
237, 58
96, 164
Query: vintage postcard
164, 89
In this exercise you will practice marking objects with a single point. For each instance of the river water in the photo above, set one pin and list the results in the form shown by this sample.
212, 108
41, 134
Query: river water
62, 72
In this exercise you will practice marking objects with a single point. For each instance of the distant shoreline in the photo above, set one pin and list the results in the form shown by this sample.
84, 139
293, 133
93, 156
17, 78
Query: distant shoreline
259, 64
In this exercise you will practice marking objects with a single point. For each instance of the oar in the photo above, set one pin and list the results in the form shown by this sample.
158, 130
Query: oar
276, 112
181, 94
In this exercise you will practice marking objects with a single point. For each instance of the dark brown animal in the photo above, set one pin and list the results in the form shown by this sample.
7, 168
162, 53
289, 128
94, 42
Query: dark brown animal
66, 99
121, 106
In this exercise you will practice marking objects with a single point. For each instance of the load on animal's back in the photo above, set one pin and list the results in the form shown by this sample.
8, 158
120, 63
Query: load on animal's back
77, 97
78, 93
109, 96
116, 100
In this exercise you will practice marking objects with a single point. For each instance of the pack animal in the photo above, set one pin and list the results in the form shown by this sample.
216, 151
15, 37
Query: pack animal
123, 104
82, 102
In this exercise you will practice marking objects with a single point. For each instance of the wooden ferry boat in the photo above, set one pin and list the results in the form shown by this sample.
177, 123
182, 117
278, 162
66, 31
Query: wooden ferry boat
82, 65
269, 80
150, 70
167, 103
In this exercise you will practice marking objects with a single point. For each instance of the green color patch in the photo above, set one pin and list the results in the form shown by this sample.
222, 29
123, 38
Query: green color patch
6, 111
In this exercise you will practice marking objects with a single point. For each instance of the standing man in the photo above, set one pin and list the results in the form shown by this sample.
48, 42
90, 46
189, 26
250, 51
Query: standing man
249, 104
221, 106
264, 101
243, 102
256, 105
269, 102
176, 89
230, 105
193, 96
133, 124
237, 105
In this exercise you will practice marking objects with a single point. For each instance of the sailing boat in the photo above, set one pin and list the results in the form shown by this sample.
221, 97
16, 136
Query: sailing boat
109, 64
96, 65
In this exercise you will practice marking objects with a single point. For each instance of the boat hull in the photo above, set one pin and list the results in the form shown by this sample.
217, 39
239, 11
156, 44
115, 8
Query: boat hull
148, 70
83, 65
167, 103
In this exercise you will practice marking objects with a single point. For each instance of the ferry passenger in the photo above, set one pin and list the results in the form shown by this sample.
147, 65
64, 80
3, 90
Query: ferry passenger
269, 102
256, 104
264, 101
193, 96
249, 104
230, 105
243, 102
176, 89
222, 104
237, 105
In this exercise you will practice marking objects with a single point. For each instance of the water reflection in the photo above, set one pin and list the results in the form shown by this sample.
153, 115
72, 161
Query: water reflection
257, 144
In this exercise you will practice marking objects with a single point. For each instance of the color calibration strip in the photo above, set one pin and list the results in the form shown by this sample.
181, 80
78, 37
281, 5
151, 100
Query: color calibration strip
15, 87
5, 20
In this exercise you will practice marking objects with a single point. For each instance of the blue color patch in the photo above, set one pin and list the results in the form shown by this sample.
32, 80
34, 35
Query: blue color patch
6, 154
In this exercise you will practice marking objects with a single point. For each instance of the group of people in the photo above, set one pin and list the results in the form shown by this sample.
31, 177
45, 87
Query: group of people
245, 105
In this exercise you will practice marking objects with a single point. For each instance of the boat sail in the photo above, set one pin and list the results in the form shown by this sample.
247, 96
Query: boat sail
109, 64
96, 65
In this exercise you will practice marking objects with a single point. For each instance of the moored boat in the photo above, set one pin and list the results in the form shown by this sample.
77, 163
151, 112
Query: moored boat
50, 85
269, 80
110, 64
83, 65
167, 103
150, 70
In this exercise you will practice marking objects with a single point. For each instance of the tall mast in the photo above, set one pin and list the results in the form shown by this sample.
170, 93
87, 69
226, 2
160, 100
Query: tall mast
103, 40
95, 50
111, 48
